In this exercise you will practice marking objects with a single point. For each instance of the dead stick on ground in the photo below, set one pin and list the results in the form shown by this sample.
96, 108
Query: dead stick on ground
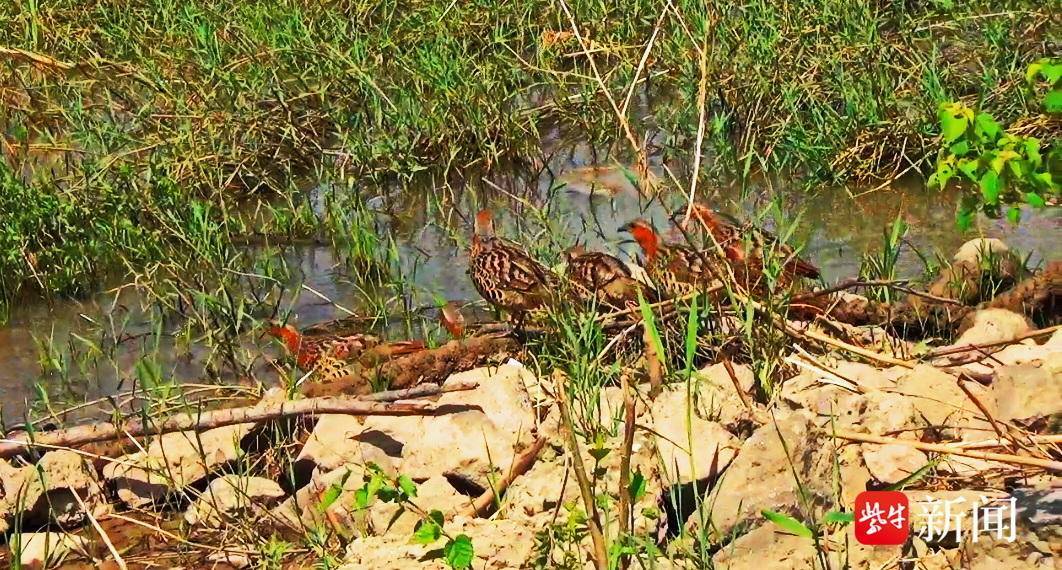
593, 522
943, 448
418, 391
523, 462
99, 530
737, 384
81, 435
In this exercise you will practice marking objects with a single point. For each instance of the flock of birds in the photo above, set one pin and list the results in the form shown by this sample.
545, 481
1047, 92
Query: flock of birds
510, 279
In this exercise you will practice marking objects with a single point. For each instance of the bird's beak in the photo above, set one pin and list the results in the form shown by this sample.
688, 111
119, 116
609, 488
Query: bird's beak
625, 227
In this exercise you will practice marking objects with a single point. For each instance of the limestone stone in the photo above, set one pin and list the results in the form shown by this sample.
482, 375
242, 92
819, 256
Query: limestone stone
230, 496
39, 550
1025, 391
172, 462
992, 325
44, 492
761, 477
892, 462
690, 448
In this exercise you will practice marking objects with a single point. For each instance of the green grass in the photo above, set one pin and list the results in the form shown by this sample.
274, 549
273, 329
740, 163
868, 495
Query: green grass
143, 131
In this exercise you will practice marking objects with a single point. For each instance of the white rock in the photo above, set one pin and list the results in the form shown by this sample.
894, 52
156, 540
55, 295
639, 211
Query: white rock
435, 494
892, 462
973, 250
938, 399
39, 550
1023, 392
691, 448
172, 462
767, 547
472, 444
992, 325
497, 545
44, 492
761, 477
230, 496
540, 490
716, 397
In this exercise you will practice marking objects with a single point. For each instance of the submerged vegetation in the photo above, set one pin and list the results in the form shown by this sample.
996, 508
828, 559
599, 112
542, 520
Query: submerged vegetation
147, 130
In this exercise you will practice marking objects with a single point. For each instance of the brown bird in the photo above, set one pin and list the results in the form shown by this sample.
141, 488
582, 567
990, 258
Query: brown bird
744, 245
504, 274
601, 277
675, 269
328, 355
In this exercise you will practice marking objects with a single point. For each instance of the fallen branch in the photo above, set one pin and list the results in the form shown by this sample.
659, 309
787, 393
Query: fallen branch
520, 465
434, 365
203, 421
419, 391
1048, 464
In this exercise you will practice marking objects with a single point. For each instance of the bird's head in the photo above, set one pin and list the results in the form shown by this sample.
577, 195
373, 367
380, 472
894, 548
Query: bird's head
484, 224
285, 332
646, 236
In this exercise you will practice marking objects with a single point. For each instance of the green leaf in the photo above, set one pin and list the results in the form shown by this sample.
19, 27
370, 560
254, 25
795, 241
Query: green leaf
1052, 72
986, 128
1033, 70
649, 322
458, 552
1035, 200
329, 497
599, 453
964, 217
1053, 101
1032, 152
1044, 179
990, 187
636, 488
960, 148
427, 532
361, 498
1000, 159
1014, 214
408, 487
953, 122
945, 171
788, 523
968, 168
1018, 168
834, 517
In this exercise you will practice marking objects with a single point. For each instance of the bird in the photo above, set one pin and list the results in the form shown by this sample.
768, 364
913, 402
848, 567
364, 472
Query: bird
328, 355
676, 270
743, 245
600, 277
504, 273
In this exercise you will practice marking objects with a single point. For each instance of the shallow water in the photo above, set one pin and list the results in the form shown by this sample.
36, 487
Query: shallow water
590, 201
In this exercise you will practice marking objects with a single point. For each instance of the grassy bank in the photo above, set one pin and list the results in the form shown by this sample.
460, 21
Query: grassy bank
139, 131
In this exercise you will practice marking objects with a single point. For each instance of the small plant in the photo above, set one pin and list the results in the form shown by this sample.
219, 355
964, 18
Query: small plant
883, 265
1007, 168
458, 551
